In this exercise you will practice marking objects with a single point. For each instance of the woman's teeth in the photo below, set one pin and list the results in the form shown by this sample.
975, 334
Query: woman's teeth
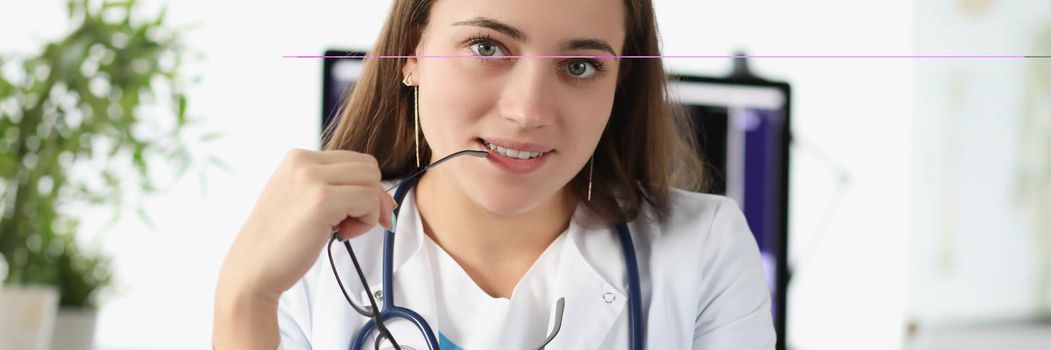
512, 153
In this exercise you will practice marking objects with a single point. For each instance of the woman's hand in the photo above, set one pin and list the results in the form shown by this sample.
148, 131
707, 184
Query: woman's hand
308, 195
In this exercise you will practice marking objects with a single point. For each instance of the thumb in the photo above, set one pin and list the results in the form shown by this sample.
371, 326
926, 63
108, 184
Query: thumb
352, 227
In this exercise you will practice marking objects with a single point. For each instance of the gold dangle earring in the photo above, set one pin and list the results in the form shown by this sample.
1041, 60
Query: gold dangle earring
591, 170
416, 113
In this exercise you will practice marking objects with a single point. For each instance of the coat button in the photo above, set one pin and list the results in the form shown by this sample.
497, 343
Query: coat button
608, 297
379, 295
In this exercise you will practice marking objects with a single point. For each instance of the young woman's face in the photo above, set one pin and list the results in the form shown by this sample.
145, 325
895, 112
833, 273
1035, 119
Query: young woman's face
558, 106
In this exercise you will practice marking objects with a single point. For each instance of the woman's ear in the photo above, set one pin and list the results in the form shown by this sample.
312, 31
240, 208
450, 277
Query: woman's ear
412, 65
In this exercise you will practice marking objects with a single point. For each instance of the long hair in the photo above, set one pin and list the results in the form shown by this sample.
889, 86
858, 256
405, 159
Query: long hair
647, 147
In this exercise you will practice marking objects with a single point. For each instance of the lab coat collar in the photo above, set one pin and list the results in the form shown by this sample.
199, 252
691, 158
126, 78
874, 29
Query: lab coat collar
591, 277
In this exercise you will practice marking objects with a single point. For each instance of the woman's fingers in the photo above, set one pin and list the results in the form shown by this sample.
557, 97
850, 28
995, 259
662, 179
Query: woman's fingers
340, 156
354, 212
353, 173
357, 174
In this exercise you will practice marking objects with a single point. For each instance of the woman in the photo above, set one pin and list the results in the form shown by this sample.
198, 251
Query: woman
487, 248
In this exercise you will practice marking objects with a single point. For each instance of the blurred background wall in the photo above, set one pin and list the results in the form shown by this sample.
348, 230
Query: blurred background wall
917, 186
980, 239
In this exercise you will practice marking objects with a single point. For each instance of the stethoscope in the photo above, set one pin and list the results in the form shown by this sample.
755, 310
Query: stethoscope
391, 311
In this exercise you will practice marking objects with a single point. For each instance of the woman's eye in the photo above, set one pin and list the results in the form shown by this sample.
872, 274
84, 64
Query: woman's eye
487, 49
580, 69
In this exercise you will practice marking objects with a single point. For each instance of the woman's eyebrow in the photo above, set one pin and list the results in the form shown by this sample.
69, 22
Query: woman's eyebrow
516, 34
493, 24
588, 44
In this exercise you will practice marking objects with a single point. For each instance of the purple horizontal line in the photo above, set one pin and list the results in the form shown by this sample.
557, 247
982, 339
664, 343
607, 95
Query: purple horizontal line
702, 56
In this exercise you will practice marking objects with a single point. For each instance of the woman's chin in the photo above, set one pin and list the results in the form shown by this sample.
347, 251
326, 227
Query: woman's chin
509, 203
503, 197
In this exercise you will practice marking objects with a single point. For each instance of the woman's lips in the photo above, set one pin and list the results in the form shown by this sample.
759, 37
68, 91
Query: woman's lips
514, 165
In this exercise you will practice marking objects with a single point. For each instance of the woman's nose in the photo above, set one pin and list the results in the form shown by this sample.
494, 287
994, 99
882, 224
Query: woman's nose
527, 99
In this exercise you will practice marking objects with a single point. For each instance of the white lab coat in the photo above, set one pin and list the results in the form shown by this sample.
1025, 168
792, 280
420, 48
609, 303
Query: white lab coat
701, 277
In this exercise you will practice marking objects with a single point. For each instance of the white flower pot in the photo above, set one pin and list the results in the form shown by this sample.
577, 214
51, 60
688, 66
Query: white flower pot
74, 330
27, 317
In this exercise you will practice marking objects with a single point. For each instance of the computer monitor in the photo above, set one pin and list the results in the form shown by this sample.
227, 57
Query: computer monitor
338, 76
742, 126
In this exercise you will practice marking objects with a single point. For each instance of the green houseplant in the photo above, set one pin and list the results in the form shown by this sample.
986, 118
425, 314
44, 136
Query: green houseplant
82, 123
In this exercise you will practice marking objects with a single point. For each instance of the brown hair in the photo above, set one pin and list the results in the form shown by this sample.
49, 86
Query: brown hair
647, 147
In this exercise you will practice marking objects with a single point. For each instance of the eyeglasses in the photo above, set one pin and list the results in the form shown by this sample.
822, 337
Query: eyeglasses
372, 311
